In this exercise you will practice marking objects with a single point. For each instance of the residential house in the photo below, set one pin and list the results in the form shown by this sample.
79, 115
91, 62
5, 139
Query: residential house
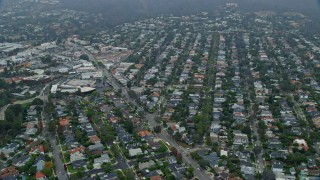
172, 160
135, 152
240, 138
20, 161
277, 166
40, 176
96, 146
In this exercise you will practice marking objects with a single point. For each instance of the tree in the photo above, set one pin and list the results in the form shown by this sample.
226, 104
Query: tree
257, 150
128, 126
177, 136
90, 166
203, 163
107, 167
246, 130
52, 126
79, 173
47, 172
84, 57
37, 101
296, 158
163, 148
32, 170
268, 175
3, 156
78, 134
118, 112
157, 129
190, 172
114, 150
128, 174
48, 165
174, 151
46, 59
90, 113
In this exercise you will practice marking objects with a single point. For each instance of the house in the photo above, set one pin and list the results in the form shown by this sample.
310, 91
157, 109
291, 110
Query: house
97, 146
64, 123
20, 161
223, 153
212, 158
40, 176
172, 160
277, 166
274, 143
145, 165
214, 137
157, 177
37, 149
94, 139
292, 171
79, 164
277, 155
103, 159
178, 175
109, 176
77, 149
12, 147
31, 128
40, 162
177, 128
153, 143
76, 156
240, 138
312, 163
32, 113
144, 133
247, 168
135, 152
149, 174
9, 173
177, 167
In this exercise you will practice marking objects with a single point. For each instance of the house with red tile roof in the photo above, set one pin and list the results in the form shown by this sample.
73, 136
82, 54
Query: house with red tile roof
37, 149
144, 133
8, 172
40, 176
77, 149
94, 139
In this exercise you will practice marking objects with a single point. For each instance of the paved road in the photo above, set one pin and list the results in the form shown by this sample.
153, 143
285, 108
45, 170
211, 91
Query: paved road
59, 165
61, 173
254, 127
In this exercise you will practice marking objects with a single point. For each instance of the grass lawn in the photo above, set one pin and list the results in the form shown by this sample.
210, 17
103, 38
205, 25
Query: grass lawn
70, 169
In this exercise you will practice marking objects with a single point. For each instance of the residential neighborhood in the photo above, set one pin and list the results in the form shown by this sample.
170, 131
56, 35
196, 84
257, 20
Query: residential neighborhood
229, 95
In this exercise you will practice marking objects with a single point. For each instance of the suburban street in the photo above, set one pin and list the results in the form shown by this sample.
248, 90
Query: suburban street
60, 171
253, 123
59, 165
